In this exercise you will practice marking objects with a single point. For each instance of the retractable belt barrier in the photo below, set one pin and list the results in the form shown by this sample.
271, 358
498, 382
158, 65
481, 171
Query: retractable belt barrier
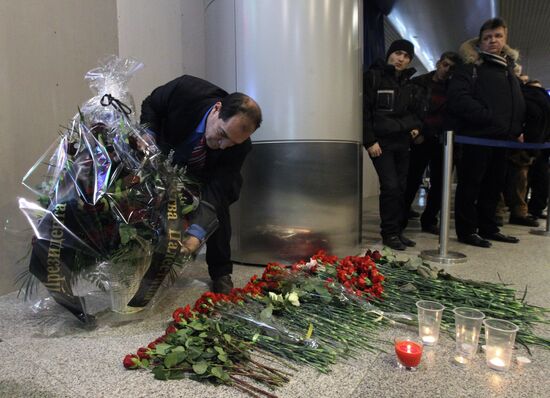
443, 256
463, 139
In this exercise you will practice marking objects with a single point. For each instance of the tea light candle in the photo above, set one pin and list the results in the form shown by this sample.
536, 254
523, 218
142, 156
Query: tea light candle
427, 335
497, 363
408, 353
428, 340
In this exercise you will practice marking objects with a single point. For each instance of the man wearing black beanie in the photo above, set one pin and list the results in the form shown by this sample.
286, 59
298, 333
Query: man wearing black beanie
390, 119
401, 45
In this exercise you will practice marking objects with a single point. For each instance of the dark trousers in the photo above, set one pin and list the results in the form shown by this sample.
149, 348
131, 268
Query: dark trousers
481, 172
428, 153
538, 182
391, 168
218, 246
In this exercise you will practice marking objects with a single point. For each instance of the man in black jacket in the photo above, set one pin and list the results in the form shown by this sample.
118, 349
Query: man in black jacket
538, 122
389, 123
209, 131
485, 97
426, 149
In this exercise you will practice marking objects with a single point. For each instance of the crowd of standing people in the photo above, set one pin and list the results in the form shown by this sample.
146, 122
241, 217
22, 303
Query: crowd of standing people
477, 92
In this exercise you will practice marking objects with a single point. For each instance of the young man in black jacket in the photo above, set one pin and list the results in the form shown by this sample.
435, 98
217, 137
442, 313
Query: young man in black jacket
426, 149
209, 130
485, 97
389, 122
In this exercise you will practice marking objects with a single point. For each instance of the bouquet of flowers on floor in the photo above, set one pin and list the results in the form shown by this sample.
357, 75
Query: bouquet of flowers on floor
301, 313
111, 207
314, 313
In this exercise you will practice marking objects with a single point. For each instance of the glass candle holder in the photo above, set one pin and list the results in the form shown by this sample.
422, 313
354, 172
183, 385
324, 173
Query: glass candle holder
500, 336
429, 320
467, 329
408, 351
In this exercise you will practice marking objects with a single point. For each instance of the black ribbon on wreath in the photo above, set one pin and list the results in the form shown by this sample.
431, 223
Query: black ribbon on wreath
120, 106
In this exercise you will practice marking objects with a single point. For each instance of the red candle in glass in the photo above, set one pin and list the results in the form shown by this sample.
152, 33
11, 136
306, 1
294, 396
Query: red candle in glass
408, 352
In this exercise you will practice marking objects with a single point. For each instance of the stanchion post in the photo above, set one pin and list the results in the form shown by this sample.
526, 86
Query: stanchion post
443, 256
545, 232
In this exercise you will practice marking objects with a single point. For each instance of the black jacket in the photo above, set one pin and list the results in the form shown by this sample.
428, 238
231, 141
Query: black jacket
172, 112
485, 97
388, 105
537, 120
434, 110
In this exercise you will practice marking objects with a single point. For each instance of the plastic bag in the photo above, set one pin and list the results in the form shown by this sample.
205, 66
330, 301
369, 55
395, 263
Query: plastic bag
111, 208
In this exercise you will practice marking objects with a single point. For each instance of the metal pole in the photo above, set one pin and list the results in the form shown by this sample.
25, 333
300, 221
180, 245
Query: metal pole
547, 231
443, 256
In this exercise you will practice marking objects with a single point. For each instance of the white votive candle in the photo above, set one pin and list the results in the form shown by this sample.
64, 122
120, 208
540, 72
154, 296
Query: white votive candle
497, 363
428, 340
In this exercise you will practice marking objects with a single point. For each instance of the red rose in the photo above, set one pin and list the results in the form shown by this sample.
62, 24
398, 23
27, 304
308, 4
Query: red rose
131, 361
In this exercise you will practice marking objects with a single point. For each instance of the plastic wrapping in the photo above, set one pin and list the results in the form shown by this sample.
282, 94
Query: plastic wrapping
111, 209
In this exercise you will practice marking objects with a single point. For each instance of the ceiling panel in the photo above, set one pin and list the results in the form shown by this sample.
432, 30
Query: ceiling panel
529, 31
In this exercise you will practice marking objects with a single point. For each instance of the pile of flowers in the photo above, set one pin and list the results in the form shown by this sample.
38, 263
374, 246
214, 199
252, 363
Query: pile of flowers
315, 313
300, 313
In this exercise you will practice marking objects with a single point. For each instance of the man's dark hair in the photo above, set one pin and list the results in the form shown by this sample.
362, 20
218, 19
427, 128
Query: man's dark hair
451, 56
491, 24
239, 103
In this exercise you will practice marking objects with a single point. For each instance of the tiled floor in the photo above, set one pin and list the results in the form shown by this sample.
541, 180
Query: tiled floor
45, 354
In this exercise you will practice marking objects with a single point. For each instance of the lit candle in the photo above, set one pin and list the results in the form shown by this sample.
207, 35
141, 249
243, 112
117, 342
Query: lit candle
497, 363
408, 353
428, 340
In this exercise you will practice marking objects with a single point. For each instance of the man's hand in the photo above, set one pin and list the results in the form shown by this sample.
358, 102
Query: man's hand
190, 245
374, 150
414, 133
521, 138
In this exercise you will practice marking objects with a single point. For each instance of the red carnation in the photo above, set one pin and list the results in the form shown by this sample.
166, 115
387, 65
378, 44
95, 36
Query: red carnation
178, 314
131, 361
143, 353
171, 329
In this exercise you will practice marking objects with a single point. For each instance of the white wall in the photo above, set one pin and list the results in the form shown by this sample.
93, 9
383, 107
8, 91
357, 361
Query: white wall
371, 187
46, 48
168, 36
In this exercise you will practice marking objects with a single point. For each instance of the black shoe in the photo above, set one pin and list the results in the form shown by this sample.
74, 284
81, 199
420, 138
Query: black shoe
539, 215
430, 229
222, 284
413, 214
393, 242
475, 240
500, 237
526, 220
406, 241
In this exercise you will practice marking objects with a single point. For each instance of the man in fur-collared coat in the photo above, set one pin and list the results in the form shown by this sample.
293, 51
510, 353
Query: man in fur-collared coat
486, 100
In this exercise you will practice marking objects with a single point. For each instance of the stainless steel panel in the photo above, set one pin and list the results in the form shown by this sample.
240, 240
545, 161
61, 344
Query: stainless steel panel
297, 198
300, 59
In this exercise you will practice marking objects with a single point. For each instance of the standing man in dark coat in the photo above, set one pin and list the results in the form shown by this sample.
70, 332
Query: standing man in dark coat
538, 123
427, 149
485, 97
389, 124
209, 130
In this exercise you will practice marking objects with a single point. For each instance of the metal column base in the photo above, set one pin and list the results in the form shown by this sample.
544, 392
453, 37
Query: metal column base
541, 232
449, 258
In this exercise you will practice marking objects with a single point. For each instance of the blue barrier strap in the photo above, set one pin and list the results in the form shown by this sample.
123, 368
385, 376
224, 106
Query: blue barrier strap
462, 139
